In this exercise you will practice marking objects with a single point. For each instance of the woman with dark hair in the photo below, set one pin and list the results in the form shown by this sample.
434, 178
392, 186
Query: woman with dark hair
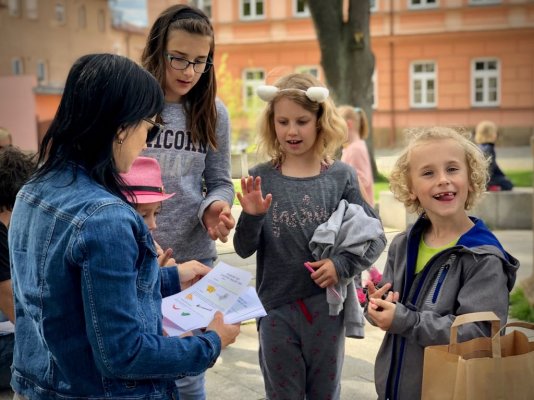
194, 148
86, 280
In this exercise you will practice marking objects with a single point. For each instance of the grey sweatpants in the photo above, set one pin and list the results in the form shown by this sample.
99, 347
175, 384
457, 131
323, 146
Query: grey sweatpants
299, 359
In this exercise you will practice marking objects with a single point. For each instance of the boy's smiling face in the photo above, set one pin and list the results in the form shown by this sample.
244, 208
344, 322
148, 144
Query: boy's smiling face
439, 178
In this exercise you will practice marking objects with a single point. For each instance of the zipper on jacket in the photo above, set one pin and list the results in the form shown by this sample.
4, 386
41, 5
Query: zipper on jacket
441, 278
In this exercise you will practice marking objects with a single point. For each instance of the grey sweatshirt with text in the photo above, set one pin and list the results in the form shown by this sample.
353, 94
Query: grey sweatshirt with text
186, 167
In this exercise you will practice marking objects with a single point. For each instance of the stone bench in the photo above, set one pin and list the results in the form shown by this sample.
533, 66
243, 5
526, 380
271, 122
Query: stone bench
499, 210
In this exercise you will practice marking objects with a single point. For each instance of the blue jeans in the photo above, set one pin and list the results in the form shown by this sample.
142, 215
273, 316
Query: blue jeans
6, 359
194, 387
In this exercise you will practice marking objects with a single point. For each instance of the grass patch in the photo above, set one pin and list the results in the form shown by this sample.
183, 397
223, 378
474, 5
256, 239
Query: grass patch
520, 178
520, 307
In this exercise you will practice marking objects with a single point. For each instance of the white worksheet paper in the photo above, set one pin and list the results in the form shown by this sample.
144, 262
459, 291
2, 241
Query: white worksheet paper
194, 307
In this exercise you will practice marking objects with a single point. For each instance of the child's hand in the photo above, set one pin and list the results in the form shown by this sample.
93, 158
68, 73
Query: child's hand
165, 259
251, 198
218, 220
381, 311
325, 273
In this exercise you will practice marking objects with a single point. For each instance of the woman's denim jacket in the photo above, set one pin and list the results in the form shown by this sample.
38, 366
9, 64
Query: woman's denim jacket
88, 295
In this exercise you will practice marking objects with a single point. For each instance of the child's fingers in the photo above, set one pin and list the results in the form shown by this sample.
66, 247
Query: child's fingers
165, 257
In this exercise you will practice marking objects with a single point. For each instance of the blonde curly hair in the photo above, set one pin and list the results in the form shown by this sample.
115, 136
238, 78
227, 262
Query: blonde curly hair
331, 127
477, 164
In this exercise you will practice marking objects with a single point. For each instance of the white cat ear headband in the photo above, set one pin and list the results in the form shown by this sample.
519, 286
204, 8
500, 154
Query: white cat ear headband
317, 94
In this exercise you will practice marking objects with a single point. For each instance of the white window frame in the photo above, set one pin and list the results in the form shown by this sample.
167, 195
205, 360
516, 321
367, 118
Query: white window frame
60, 12
253, 11
300, 14
424, 77
32, 9
485, 75
14, 7
204, 5
373, 5
483, 2
17, 66
41, 71
251, 100
424, 4
309, 69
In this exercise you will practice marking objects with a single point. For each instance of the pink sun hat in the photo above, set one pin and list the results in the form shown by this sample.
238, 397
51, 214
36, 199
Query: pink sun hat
144, 180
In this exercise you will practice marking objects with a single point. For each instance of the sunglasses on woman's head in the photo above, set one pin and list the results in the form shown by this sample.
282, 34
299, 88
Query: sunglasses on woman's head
154, 131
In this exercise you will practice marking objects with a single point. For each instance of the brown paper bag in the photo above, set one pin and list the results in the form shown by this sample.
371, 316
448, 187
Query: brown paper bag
496, 368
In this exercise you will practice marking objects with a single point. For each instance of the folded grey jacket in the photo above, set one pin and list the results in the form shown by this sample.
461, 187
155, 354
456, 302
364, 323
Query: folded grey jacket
349, 229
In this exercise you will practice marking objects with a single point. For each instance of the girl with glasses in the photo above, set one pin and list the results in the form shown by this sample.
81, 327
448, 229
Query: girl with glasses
193, 149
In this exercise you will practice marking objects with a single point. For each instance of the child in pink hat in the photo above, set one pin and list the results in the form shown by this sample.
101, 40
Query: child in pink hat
144, 189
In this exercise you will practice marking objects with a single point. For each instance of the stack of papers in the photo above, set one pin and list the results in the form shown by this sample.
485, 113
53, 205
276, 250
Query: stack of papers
225, 289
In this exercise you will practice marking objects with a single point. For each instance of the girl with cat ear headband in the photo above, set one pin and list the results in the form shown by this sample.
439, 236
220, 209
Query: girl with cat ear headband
317, 94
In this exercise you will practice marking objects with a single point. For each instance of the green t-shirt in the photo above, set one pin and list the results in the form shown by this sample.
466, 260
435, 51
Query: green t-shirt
425, 253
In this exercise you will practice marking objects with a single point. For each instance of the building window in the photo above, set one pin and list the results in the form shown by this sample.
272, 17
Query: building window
373, 5
59, 12
101, 21
82, 17
14, 8
423, 84
308, 69
483, 2
252, 9
204, 5
31, 9
415, 4
485, 82
16, 66
42, 71
252, 78
300, 8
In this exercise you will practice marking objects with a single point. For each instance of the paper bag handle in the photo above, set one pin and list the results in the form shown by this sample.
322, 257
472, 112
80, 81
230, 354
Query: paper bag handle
518, 324
483, 316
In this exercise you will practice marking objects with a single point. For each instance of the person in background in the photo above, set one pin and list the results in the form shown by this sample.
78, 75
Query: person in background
301, 343
485, 137
194, 148
86, 281
5, 138
445, 265
355, 153
15, 169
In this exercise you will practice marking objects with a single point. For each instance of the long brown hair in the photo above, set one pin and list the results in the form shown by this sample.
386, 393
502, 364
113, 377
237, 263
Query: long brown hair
199, 102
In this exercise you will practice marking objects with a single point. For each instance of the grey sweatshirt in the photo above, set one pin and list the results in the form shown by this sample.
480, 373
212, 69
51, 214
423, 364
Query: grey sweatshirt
186, 167
349, 229
281, 236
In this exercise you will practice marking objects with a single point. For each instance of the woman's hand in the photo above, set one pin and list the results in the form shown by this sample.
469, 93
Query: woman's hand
251, 198
227, 332
218, 220
191, 272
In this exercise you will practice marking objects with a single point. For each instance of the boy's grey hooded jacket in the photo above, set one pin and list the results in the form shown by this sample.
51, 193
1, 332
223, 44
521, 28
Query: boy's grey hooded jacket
476, 274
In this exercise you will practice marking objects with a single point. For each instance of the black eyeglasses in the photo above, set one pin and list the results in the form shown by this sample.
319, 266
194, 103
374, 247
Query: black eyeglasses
154, 131
179, 63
